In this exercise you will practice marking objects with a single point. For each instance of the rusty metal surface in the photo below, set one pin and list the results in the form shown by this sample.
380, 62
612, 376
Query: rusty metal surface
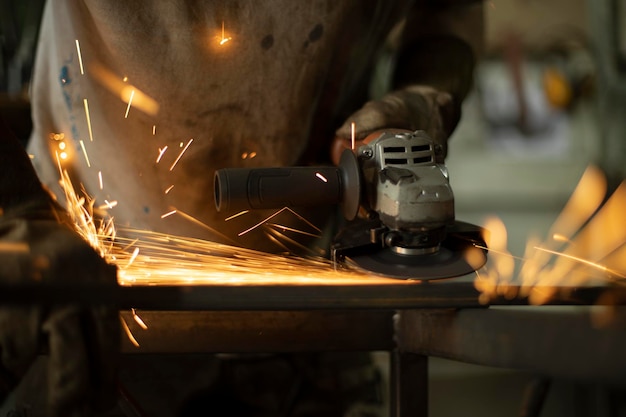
260, 331
562, 342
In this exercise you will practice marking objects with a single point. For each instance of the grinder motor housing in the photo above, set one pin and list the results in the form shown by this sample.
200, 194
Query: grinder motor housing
407, 188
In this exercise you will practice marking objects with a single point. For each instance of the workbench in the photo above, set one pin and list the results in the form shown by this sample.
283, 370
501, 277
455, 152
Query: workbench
411, 321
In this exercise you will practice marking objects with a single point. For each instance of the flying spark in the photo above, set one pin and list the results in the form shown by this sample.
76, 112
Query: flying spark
86, 105
205, 226
130, 101
153, 130
321, 177
276, 214
283, 237
499, 252
353, 134
80, 58
108, 204
276, 242
292, 229
595, 265
129, 334
82, 145
138, 319
181, 154
161, 152
168, 214
224, 39
234, 216
168, 189
100, 180
132, 257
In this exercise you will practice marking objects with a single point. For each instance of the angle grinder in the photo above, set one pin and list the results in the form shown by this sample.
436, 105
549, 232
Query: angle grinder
395, 197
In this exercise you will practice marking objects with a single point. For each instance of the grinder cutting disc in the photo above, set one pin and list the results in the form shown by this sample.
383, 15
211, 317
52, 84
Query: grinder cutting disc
445, 263
448, 262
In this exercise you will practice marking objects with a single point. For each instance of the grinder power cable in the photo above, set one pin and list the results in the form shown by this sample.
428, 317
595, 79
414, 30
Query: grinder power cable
396, 198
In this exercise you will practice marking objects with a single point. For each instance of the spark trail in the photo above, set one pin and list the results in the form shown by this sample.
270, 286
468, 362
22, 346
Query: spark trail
586, 246
152, 258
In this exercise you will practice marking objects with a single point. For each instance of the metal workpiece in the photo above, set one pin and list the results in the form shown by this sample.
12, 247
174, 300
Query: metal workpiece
394, 294
404, 294
583, 343
260, 332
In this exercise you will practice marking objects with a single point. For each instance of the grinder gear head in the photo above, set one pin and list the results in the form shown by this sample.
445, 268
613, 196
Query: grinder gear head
409, 192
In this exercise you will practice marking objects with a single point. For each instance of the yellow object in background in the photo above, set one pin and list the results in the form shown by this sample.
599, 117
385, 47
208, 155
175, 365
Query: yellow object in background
557, 88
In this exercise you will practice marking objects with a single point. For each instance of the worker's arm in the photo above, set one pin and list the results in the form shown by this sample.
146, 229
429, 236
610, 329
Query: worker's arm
439, 46
436, 52
39, 246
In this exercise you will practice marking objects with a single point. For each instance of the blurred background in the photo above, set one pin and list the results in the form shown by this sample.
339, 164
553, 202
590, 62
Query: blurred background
549, 100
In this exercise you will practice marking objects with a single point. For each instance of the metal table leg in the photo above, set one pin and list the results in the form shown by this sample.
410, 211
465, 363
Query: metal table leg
409, 384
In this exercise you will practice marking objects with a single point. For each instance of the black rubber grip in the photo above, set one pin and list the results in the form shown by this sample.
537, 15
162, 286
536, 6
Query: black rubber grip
239, 189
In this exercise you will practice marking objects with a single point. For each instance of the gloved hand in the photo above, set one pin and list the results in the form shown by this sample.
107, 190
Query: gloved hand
38, 245
413, 108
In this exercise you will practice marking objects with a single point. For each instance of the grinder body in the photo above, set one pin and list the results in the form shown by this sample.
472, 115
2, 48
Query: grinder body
406, 228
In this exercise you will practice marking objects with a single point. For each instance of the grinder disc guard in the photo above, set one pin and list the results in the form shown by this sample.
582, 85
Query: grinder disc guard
448, 262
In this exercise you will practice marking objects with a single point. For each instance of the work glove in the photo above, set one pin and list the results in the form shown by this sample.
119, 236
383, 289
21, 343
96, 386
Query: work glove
39, 246
412, 108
